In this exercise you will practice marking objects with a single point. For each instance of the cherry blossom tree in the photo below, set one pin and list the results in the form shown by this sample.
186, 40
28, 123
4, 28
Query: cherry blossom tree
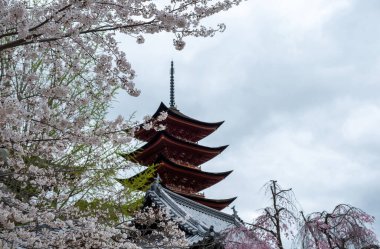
267, 231
60, 66
243, 237
345, 227
58, 166
280, 218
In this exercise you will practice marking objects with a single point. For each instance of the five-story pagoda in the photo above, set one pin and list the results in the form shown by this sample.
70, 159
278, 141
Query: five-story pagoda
178, 156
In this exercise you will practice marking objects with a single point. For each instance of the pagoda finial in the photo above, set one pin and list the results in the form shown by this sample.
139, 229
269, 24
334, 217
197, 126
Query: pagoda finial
234, 210
172, 102
155, 184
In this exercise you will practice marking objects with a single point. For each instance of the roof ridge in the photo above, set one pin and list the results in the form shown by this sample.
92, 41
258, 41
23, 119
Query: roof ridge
175, 139
176, 112
204, 208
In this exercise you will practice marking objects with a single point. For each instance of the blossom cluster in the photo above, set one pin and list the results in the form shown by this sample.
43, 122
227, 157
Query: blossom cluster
156, 229
76, 29
345, 227
243, 238
154, 123
25, 225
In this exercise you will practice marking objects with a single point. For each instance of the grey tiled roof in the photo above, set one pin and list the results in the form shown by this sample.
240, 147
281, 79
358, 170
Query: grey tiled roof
194, 218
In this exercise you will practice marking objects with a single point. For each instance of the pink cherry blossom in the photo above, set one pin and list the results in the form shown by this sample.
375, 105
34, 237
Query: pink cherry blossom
60, 68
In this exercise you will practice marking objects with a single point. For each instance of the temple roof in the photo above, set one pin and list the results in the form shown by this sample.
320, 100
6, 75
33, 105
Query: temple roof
217, 204
175, 149
194, 218
175, 120
192, 178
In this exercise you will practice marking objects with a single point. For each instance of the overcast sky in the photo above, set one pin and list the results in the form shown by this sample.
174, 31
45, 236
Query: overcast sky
297, 83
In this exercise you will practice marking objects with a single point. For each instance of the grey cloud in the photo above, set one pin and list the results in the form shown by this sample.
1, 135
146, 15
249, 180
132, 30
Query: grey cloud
291, 99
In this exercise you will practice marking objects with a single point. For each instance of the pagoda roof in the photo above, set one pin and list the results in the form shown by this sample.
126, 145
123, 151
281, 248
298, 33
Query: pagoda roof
177, 113
217, 204
192, 178
194, 218
175, 149
199, 129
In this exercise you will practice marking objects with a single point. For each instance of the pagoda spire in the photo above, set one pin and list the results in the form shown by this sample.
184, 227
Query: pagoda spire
172, 102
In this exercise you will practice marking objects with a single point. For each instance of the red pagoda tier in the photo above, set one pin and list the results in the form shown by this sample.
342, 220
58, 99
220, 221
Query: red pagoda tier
183, 179
177, 150
177, 156
180, 126
215, 204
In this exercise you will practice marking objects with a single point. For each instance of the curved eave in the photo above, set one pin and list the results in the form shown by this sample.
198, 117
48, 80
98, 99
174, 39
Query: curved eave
164, 137
178, 114
195, 219
171, 122
174, 140
215, 175
217, 204
164, 164
175, 118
